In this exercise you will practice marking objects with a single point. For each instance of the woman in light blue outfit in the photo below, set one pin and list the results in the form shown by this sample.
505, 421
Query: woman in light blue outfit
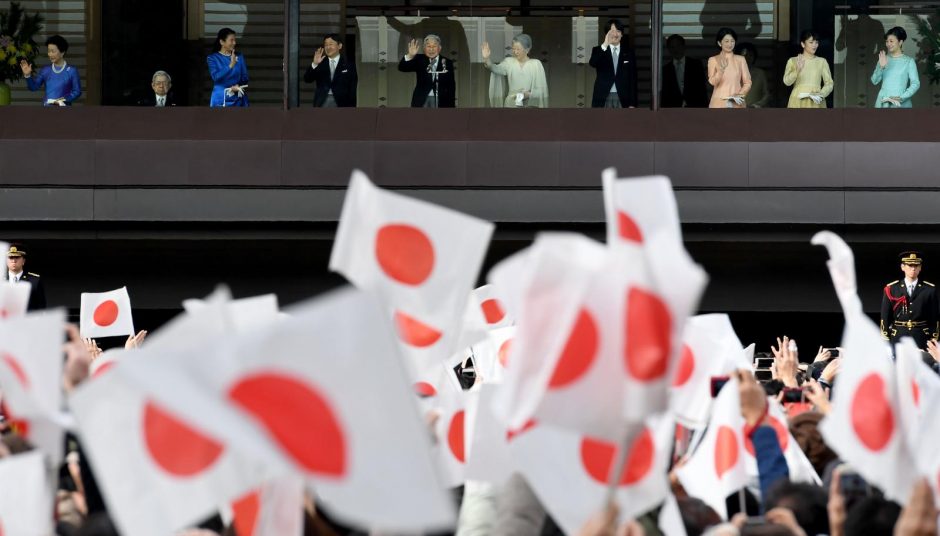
896, 73
229, 73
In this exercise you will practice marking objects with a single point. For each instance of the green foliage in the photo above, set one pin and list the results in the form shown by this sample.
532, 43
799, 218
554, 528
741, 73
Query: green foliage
18, 31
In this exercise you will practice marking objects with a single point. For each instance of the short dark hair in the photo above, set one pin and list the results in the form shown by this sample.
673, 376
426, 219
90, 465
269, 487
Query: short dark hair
675, 38
334, 36
223, 35
59, 42
807, 502
898, 32
741, 47
722, 32
872, 515
805, 35
616, 24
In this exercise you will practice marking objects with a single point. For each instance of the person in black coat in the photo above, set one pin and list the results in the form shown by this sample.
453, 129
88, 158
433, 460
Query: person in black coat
436, 86
336, 78
615, 63
161, 96
692, 92
16, 262
909, 306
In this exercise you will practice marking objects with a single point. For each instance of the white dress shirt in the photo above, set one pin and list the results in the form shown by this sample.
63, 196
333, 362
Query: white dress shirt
911, 285
161, 101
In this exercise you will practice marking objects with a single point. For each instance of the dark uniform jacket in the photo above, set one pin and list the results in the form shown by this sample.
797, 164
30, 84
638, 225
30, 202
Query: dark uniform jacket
37, 295
446, 82
914, 315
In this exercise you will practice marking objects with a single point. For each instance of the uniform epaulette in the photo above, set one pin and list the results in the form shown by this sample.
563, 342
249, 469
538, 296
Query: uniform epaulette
37, 275
928, 283
893, 282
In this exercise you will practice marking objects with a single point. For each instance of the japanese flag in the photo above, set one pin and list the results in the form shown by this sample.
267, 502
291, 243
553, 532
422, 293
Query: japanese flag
25, 496
710, 348
493, 306
639, 208
244, 313
275, 509
489, 459
452, 430
927, 449
31, 375
106, 314
158, 471
291, 395
13, 299
570, 472
841, 266
421, 259
801, 470
491, 356
717, 467
864, 425
918, 392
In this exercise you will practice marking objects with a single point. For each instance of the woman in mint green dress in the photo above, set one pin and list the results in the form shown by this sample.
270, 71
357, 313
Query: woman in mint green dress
896, 73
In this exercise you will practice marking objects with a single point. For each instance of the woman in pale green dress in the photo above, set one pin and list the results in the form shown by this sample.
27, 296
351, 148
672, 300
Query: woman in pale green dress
896, 73
526, 76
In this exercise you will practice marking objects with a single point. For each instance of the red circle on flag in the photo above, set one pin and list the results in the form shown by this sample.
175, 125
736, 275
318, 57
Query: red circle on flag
424, 389
106, 313
579, 351
783, 436
686, 367
176, 447
648, 345
598, 458
512, 434
628, 228
872, 418
20, 426
102, 369
726, 450
455, 437
503, 353
915, 392
3, 314
413, 332
404, 253
493, 310
245, 509
299, 418
17, 370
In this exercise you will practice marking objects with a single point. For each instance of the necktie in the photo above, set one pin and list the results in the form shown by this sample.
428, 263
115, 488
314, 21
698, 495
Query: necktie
332, 68
616, 54
161, 101
910, 289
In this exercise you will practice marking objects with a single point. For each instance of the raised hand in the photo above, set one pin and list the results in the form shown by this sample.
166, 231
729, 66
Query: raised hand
134, 341
412, 48
800, 62
610, 35
882, 59
26, 68
485, 51
818, 396
233, 61
318, 56
785, 362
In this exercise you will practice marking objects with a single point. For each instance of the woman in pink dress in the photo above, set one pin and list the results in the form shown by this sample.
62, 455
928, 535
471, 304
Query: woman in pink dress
728, 74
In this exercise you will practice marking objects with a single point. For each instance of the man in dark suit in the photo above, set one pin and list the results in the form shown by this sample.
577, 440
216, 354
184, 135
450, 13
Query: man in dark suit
436, 86
336, 77
615, 63
683, 78
161, 96
909, 305
16, 261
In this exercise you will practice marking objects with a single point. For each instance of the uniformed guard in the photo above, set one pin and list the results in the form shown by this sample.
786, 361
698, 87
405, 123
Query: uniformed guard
16, 261
909, 305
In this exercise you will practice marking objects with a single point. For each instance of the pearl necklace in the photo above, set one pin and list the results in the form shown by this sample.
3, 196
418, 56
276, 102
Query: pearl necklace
60, 70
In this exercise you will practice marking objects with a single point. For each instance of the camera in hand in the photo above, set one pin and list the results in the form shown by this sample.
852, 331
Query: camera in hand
792, 395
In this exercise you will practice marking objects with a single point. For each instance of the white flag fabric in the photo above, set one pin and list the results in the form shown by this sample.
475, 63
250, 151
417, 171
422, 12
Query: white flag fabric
244, 313
30, 376
717, 467
420, 258
25, 496
493, 306
158, 472
710, 348
489, 459
918, 397
569, 472
283, 394
801, 470
491, 356
841, 266
452, 430
106, 314
639, 208
670, 518
864, 425
13, 300
275, 509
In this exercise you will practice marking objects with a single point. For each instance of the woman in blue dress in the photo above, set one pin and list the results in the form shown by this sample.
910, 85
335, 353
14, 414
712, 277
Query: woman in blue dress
896, 73
229, 73
61, 80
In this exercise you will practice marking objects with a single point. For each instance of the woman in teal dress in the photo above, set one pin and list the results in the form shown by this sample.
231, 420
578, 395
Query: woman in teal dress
896, 73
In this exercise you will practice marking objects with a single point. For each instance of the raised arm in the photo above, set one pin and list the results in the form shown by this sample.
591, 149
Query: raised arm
714, 71
790, 73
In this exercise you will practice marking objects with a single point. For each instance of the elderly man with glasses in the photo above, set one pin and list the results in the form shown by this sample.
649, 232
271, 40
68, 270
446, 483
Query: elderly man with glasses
436, 86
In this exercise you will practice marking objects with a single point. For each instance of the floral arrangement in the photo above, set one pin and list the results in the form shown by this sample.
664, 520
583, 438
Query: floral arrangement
929, 52
17, 40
